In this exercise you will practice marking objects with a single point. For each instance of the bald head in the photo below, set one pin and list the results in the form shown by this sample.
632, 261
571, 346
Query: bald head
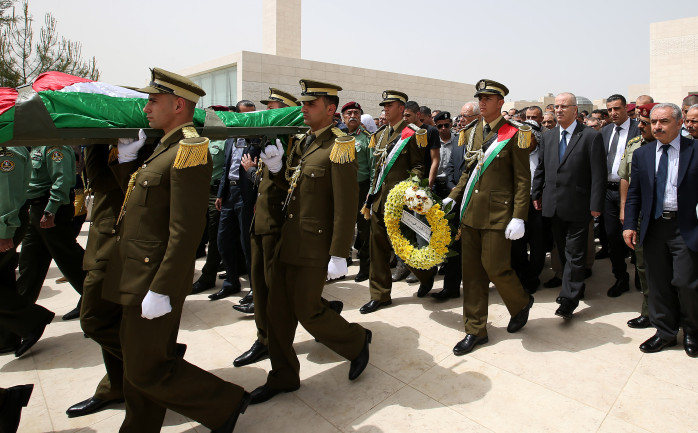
643, 99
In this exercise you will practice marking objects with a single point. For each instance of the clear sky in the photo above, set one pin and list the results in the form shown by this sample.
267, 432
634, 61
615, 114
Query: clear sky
593, 48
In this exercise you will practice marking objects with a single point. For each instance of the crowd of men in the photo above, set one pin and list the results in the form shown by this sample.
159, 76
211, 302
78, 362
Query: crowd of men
288, 213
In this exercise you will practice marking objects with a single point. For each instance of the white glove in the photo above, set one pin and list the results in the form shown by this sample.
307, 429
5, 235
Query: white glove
336, 268
272, 156
155, 305
447, 205
129, 147
515, 229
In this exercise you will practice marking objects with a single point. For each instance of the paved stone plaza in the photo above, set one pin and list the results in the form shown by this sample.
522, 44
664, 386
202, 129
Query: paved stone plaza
585, 375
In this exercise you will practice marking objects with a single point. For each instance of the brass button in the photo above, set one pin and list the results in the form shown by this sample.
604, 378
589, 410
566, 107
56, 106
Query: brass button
506, 202
290, 216
319, 231
144, 165
113, 231
293, 198
147, 259
476, 191
118, 238
312, 174
145, 183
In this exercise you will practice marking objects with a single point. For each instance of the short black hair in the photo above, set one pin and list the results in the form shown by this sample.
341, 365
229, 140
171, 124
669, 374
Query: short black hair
617, 97
585, 113
412, 106
535, 107
331, 99
425, 110
597, 111
245, 103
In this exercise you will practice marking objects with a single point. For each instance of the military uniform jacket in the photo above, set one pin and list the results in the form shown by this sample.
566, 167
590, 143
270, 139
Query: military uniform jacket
411, 160
624, 168
161, 229
15, 173
269, 215
503, 191
321, 213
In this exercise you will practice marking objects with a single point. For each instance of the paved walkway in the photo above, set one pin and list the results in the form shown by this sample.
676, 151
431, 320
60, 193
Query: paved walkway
584, 375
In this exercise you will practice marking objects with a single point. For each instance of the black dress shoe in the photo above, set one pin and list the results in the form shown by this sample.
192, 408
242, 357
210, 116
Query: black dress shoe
372, 306
601, 254
361, 276
200, 286
246, 308
446, 294
31, 339
16, 398
8, 349
553, 282
223, 276
690, 344
400, 273
358, 364
411, 278
640, 322
425, 288
619, 287
517, 322
467, 344
656, 344
74, 313
264, 393
566, 308
229, 425
336, 306
246, 299
224, 293
257, 352
89, 406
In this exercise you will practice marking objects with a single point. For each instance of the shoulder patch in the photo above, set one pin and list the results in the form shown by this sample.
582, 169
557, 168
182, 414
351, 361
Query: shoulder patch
344, 149
7, 166
338, 132
56, 155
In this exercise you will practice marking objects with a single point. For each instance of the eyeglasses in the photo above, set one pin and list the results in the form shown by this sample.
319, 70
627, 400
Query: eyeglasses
563, 107
644, 122
443, 125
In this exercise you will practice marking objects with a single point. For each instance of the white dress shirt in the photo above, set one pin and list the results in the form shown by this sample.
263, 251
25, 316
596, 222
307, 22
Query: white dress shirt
533, 159
670, 192
620, 150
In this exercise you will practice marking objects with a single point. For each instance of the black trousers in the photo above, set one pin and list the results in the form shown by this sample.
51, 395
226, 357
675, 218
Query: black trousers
528, 253
42, 245
571, 240
363, 231
614, 233
234, 236
672, 276
213, 256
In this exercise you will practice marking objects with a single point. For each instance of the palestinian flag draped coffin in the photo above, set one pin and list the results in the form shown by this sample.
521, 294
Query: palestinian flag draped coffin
64, 109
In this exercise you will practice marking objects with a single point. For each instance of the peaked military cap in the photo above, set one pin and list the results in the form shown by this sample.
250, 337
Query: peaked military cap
311, 89
489, 87
281, 96
393, 95
443, 115
163, 81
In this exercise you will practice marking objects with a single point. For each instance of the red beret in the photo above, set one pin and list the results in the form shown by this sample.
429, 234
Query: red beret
645, 109
352, 104
630, 107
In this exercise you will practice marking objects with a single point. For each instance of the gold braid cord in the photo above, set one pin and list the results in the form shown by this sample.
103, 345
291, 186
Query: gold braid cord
113, 154
129, 189
461, 137
193, 150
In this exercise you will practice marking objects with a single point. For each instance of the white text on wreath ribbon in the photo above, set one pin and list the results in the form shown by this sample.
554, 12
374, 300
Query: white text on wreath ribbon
422, 230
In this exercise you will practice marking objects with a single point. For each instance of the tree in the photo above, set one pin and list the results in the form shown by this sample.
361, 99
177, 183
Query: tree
22, 60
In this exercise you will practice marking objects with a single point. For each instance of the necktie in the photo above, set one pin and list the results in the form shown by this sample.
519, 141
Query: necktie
660, 181
486, 130
563, 145
309, 139
611, 157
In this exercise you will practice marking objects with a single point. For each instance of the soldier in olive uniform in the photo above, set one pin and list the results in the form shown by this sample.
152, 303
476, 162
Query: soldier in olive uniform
265, 232
207, 280
50, 233
646, 136
351, 113
393, 165
315, 241
150, 275
21, 322
495, 192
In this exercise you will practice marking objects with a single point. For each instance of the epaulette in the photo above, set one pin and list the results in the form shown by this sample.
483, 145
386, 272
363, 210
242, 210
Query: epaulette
413, 127
634, 140
344, 149
365, 131
372, 142
193, 150
420, 134
461, 134
524, 141
338, 132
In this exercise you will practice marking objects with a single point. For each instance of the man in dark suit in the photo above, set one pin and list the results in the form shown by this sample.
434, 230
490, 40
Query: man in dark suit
236, 198
664, 175
615, 136
569, 186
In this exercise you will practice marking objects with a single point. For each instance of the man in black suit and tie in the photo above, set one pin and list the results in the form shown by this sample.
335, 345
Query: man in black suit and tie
664, 175
569, 186
236, 198
615, 136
